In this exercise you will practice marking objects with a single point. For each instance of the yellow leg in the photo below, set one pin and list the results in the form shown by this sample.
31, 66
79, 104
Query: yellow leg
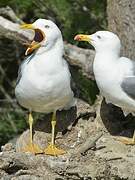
31, 147
52, 149
126, 140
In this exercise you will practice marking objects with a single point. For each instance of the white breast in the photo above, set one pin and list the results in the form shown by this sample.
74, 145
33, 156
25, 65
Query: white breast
45, 86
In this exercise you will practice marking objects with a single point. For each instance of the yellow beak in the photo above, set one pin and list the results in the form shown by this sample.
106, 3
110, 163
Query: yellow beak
34, 44
82, 37
27, 26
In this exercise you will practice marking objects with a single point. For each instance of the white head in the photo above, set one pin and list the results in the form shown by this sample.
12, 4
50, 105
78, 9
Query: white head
46, 34
102, 41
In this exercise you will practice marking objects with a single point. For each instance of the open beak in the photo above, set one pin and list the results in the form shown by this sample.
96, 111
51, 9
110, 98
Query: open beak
38, 38
82, 37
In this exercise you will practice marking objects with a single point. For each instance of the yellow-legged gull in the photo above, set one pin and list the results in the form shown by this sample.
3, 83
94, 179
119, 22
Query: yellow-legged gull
115, 75
43, 83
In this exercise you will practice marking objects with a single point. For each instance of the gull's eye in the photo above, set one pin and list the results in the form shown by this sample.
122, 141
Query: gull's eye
99, 37
46, 26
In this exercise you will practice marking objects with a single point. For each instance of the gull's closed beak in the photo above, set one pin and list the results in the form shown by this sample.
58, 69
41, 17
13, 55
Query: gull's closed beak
39, 36
82, 37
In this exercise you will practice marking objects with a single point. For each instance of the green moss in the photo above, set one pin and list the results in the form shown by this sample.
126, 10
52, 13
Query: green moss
11, 124
85, 88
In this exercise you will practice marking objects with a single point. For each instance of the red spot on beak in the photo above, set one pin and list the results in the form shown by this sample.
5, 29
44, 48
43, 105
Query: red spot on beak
77, 38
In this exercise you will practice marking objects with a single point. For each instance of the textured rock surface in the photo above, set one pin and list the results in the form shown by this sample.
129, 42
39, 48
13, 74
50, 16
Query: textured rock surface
92, 152
121, 20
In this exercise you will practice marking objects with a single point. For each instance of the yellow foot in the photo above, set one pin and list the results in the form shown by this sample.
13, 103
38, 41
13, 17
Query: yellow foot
33, 148
126, 140
53, 151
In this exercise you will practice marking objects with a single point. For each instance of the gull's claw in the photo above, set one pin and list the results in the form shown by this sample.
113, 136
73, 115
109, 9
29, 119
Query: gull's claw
126, 140
33, 148
53, 150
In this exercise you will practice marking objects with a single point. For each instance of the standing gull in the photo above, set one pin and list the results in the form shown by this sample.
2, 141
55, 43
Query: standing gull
43, 83
115, 75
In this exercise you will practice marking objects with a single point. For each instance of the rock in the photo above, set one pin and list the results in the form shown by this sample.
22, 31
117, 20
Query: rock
121, 20
7, 147
105, 159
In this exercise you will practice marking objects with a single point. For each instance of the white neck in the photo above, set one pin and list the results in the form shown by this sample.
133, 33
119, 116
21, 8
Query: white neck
104, 62
57, 47
49, 59
106, 57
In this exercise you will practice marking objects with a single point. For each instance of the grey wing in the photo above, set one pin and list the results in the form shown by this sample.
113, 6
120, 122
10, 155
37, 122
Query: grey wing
22, 66
20, 71
128, 86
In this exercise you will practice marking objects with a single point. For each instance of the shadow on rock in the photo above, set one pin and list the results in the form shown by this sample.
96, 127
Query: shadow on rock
42, 129
64, 119
114, 120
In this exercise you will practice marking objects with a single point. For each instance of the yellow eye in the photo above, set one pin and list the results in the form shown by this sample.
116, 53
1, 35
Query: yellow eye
46, 26
99, 37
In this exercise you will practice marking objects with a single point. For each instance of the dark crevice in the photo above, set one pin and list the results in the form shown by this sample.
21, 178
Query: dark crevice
14, 169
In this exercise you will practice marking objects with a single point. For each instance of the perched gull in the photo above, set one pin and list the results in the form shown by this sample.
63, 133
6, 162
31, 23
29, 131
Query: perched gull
43, 83
115, 75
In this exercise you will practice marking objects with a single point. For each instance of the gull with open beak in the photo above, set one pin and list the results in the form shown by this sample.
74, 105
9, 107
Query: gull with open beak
43, 83
115, 75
